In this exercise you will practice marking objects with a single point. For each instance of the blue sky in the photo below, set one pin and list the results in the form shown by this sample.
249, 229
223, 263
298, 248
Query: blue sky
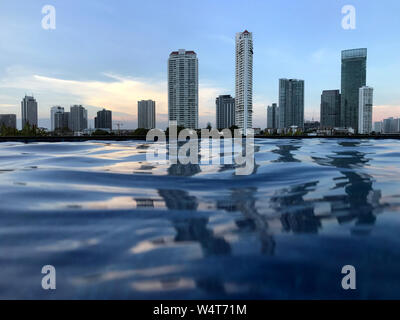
112, 53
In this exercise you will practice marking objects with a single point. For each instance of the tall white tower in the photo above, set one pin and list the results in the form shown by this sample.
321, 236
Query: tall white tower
183, 89
244, 81
365, 110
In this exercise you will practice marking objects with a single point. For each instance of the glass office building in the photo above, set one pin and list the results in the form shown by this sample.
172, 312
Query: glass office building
330, 109
291, 103
354, 77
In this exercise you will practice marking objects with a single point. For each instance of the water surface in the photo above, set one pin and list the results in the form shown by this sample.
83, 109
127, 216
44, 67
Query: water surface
116, 226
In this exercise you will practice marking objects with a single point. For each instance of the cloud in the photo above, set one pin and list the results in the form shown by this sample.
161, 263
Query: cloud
117, 93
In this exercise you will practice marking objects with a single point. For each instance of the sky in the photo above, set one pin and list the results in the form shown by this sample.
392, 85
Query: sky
110, 54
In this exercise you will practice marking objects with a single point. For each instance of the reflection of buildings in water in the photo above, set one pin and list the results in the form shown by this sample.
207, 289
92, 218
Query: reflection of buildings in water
193, 229
143, 146
228, 167
243, 200
247, 163
178, 200
193, 169
185, 170
147, 167
144, 203
361, 199
297, 214
285, 153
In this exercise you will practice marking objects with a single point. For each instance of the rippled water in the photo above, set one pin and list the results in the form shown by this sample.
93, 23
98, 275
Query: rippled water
116, 226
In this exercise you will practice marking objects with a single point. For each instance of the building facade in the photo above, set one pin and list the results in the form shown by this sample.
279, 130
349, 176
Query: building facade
273, 116
378, 126
291, 103
365, 110
61, 121
8, 120
78, 118
183, 89
146, 114
53, 111
225, 112
244, 81
103, 120
330, 109
354, 77
391, 125
29, 111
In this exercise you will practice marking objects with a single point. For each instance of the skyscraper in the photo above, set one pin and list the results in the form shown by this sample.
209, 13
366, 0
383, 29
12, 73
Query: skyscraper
391, 125
61, 120
354, 76
378, 126
78, 120
365, 110
244, 81
8, 120
291, 103
29, 111
183, 88
273, 116
103, 120
225, 112
330, 109
146, 114
53, 111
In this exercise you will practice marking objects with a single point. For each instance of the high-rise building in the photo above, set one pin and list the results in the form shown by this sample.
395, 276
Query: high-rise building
291, 103
8, 120
147, 114
330, 109
378, 126
273, 116
225, 112
365, 110
53, 111
61, 120
391, 125
78, 119
183, 88
354, 76
244, 81
103, 120
29, 111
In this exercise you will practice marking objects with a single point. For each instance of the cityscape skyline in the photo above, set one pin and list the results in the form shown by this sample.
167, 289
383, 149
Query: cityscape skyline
94, 80
351, 108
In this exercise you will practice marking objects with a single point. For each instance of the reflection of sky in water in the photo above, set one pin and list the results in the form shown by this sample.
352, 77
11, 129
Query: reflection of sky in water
116, 226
